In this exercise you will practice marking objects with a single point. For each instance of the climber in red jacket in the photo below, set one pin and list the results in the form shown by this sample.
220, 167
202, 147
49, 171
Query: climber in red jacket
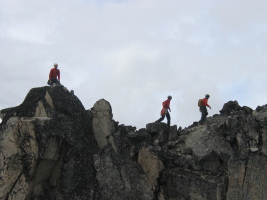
54, 75
165, 111
203, 109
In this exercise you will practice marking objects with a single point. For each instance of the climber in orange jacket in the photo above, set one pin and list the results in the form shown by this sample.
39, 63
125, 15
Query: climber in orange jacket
54, 75
165, 111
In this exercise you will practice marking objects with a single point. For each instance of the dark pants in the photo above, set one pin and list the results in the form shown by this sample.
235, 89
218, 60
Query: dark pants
168, 118
54, 80
204, 113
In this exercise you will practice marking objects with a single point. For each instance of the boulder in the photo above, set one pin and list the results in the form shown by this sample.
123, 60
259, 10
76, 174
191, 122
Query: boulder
203, 141
229, 107
103, 125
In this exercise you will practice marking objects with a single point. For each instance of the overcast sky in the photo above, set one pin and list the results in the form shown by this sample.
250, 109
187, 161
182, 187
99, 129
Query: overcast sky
134, 53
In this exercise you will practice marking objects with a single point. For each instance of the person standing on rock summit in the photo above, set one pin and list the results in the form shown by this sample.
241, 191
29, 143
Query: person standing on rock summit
54, 75
165, 111
203, 108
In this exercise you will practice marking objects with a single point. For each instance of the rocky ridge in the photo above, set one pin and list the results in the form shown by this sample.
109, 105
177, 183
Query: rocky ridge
51, 147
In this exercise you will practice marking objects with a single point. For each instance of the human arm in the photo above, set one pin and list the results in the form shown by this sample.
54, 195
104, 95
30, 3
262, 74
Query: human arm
58, 75
50, 75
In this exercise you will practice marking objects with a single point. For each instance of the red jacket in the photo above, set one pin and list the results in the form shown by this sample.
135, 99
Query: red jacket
54, 73
165, 105
205, 102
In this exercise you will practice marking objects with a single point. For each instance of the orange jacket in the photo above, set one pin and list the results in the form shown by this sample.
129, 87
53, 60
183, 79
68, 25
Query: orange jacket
165, 105
54, 73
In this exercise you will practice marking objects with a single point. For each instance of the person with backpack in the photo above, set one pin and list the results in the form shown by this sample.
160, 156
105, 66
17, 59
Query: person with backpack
165, 110
203, 104
54, 75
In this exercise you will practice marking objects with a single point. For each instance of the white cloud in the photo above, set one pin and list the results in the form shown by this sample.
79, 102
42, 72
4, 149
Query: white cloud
135, 53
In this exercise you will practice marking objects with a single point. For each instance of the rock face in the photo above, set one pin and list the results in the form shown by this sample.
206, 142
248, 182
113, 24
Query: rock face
47, 148
52, 148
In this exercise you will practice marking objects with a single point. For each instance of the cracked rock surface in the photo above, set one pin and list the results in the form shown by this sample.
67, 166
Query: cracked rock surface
51, 147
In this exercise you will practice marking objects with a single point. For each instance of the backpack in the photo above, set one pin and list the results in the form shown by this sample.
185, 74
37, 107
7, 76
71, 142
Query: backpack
200, 103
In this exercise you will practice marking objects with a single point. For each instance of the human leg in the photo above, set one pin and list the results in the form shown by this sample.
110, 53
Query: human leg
54, 80
160, 119
204, 113
168, 118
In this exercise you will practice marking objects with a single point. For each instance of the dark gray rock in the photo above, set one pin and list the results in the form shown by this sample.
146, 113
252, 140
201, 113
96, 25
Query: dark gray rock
211, 163
181, 184
229, 107
119, 178
56, 150
52, 148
